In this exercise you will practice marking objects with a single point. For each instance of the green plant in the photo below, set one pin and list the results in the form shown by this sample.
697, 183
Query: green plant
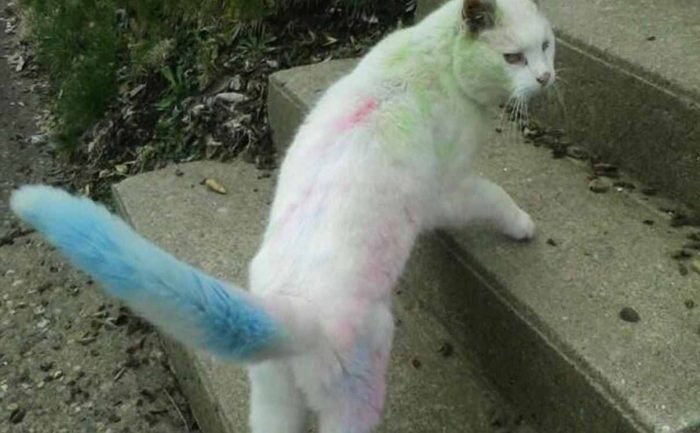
178, 87
257, 43
91, 47
78, 42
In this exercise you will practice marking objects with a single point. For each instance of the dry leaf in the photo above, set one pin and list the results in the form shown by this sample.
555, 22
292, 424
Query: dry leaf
121, 169
215, 186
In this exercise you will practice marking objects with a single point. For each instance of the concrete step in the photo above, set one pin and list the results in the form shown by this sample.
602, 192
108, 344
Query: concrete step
544, 318
429, 390
630, 86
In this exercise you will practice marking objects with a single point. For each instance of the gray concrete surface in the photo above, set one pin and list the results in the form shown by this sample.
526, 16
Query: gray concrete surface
630, 85
70, 359
543, 319
20, 161
427, 391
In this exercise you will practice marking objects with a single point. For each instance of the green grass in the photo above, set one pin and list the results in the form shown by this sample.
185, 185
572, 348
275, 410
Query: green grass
89, 48
78, 42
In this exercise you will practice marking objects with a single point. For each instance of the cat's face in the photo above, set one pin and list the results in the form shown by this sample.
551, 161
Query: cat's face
516, 42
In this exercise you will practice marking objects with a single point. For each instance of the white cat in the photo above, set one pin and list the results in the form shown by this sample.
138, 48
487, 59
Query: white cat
383, 156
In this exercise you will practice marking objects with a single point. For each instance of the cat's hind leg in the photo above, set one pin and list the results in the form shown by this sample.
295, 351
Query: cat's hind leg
358, 398
276, 404
479, 199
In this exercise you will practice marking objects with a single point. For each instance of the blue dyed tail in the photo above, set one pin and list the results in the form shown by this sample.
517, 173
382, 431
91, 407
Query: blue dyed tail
186, 303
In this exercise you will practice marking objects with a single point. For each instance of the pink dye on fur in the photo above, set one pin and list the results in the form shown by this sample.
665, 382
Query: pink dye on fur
359, 115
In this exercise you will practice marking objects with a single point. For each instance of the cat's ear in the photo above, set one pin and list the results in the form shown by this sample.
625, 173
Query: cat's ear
479, 15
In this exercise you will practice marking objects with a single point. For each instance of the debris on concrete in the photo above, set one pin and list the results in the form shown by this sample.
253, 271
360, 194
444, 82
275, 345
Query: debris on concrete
600, 185
607, 170
629, 314
682, 254
415, 363
446, 350
215, 185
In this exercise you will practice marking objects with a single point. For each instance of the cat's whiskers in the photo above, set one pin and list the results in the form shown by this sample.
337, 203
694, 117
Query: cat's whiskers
516, 120
562, 80
526, 117
520, 118
503, 121
558, 75
513, 105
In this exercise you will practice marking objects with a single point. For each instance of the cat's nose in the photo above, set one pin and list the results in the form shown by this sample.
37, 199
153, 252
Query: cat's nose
544, 78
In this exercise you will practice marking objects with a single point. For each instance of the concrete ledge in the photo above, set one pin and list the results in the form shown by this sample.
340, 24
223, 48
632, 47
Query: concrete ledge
544, 319
428, 392
218, 233
632, 91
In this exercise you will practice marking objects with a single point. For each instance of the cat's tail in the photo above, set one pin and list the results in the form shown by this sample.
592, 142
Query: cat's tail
191, 306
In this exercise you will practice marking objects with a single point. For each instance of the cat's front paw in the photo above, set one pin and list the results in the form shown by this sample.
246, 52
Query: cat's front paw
521, 228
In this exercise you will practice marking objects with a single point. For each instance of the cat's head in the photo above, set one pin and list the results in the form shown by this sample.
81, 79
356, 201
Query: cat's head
506, 44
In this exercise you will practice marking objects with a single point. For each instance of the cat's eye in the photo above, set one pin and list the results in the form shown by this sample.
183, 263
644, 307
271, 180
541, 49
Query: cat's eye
514, 58
545, 45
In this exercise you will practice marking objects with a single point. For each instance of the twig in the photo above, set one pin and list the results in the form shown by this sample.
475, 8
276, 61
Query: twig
119, 374
179, 412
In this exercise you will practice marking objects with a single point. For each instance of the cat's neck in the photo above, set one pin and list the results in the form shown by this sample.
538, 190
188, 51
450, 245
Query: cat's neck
421, 57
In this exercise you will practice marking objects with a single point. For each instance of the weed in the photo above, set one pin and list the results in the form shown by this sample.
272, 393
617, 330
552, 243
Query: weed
92, 48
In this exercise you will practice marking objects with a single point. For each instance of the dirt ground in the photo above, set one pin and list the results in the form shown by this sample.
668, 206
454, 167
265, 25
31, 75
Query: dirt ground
71, 360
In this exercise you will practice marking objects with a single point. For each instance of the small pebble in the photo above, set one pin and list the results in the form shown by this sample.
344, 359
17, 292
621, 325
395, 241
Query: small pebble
599, 185
629, 314
446, 350
621, 185
576, 152
17, 415
416, 363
